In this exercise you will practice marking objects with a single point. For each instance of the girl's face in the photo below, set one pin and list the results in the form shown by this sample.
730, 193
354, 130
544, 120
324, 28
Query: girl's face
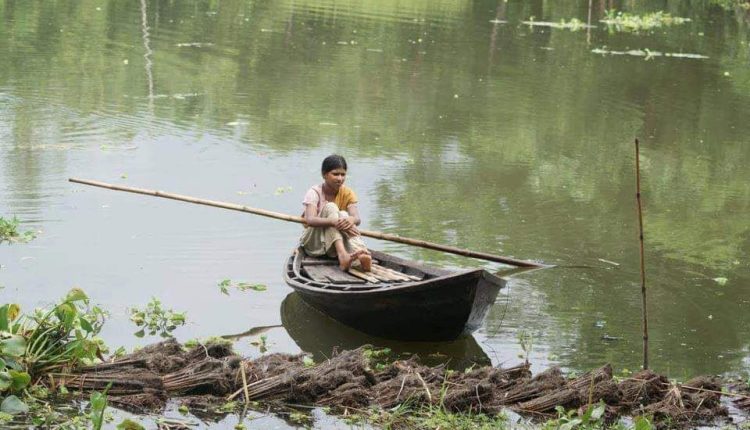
335, 178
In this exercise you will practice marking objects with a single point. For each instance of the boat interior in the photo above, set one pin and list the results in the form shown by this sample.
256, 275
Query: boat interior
324, 272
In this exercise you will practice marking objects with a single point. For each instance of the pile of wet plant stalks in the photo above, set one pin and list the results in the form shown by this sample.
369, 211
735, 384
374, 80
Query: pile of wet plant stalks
144, 380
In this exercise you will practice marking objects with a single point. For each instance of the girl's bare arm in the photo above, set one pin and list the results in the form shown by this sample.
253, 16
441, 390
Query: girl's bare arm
313, 220
353, 211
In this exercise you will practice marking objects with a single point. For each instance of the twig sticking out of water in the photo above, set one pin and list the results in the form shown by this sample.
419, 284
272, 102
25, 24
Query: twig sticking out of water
643, 263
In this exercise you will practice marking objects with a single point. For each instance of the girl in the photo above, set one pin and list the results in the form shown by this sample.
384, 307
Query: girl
332, 217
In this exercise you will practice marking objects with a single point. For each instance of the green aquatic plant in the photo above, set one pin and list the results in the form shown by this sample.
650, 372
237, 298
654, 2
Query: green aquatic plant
156, 319
128, 424
591, 418
9, 231
731, 5
225, 284
261, 343
623, 21
98, 404
526, 342
47, 340
54, 338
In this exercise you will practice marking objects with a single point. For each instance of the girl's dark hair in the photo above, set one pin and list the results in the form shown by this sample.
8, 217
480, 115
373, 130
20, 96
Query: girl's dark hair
333, 162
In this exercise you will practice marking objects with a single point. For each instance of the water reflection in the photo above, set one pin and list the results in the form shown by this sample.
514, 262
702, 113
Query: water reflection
460, 129
321, 335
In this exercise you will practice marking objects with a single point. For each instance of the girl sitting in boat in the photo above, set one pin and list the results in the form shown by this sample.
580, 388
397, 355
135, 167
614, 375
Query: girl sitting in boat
332, 217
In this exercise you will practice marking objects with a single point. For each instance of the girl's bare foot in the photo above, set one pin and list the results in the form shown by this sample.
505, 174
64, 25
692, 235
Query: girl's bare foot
365, 260
345, 261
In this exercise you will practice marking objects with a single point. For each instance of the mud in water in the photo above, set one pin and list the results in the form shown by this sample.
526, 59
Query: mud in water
211, 374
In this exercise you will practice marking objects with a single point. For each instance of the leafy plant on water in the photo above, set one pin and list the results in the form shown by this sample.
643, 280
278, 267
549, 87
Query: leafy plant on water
128, 424
377, 358
156, 319
47, 340
731, 5
261, 343
9, 231
216, 340
300, 418
623, 21
225, 284
526, 341
642, 423
98, 404
568, 420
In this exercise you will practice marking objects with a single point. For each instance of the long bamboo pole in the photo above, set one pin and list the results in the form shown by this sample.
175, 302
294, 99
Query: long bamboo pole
300, 220
644, 311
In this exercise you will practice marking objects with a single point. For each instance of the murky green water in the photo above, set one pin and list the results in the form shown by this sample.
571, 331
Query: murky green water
461, 126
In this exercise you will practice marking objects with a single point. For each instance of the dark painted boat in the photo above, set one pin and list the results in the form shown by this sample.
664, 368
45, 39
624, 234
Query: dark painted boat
320, 335
400, 299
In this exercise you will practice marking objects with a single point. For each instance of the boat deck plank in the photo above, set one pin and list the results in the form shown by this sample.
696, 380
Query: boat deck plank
331, 274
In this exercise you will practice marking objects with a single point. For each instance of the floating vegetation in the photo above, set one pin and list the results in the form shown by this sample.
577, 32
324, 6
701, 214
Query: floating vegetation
155, 319
623, 21
399, 394
261, 343
648, 54
9, 231
48, 340
226, 284
731, 4
282, 190
572, 25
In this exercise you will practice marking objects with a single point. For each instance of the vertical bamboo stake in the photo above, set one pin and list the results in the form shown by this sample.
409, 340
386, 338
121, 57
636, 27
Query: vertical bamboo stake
643, 267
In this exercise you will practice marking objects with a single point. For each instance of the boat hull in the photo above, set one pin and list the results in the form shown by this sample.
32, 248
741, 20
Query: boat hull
436, 309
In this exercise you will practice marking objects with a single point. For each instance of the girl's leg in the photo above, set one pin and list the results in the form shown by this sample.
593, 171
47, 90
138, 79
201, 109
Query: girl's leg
335, 242
357, 248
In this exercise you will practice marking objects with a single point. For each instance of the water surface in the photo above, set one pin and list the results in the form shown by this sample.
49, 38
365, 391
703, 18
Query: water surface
461, 126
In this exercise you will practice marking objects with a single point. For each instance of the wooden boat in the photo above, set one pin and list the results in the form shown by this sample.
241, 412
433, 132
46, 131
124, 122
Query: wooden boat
320, 335
398, 299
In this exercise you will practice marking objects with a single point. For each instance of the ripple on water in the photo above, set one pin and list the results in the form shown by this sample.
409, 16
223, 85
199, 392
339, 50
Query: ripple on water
440, 12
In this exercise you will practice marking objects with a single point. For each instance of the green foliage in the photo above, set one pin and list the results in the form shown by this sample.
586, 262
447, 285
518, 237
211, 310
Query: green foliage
128, 424
227, 407
12, 405
592, 418
9, 231
642, 423
526, 341
378, 358
428, 417
300, 417
98, 404
623, 21
261, 343
225, 284
215, 340
731, 5
156, 319
48, 339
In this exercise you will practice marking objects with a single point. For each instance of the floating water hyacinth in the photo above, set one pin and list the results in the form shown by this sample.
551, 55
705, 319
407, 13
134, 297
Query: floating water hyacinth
240, 286
623, 21
9, 231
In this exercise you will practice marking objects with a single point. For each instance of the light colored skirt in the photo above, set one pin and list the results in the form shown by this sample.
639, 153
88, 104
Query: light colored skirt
318, 241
